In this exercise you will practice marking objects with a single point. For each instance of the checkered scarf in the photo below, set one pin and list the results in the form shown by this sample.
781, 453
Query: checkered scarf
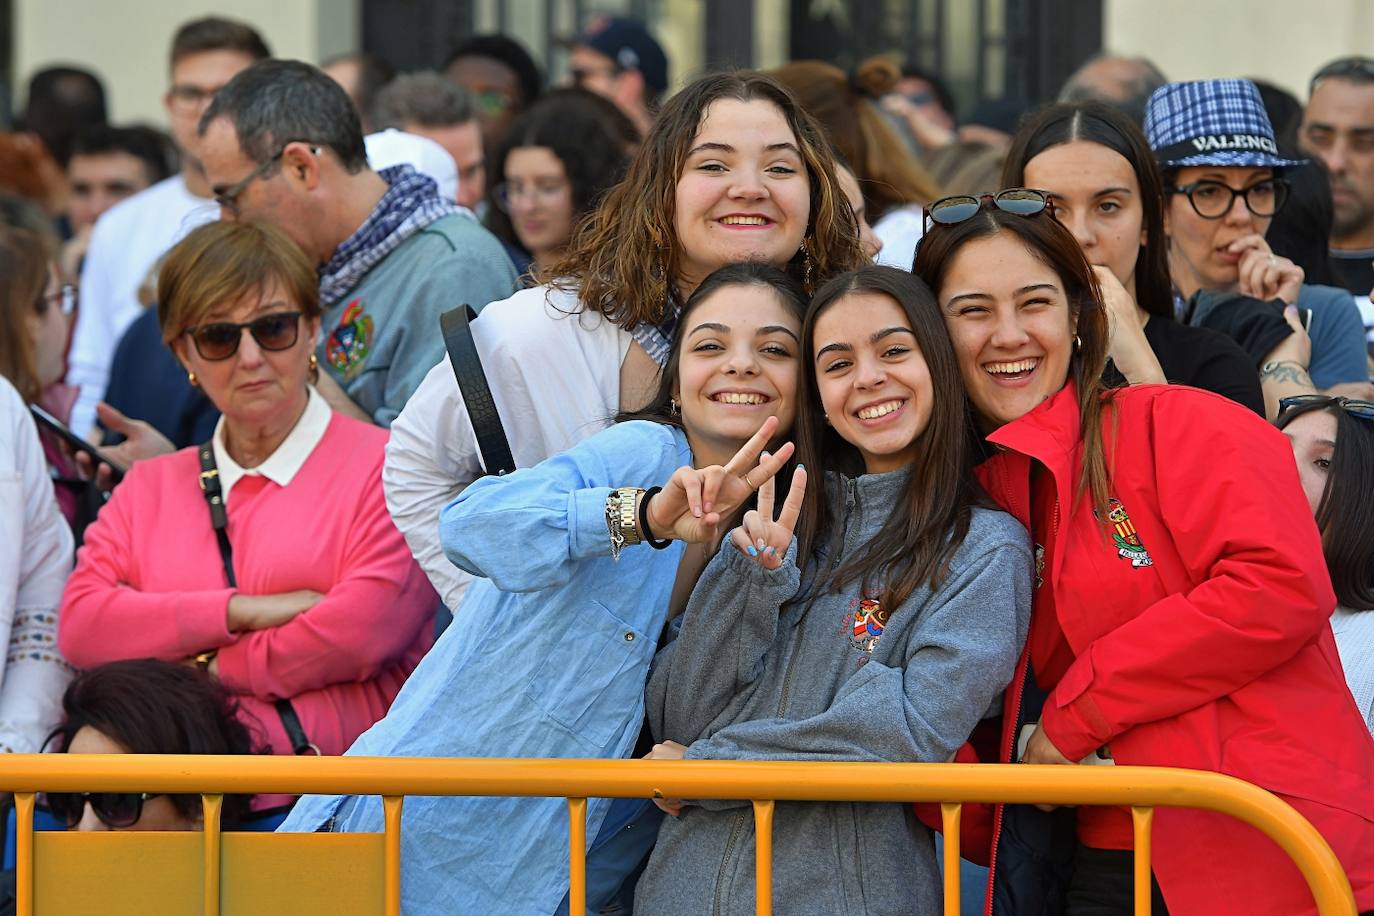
411, 203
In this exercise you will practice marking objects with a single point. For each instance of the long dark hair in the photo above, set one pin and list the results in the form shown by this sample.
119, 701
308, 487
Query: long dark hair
929, 520
1056, 247
152, 707
574, 126
746, 273
1097, 122
1345, 515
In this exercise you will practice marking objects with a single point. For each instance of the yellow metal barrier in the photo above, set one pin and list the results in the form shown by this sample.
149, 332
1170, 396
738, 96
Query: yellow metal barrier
259, 867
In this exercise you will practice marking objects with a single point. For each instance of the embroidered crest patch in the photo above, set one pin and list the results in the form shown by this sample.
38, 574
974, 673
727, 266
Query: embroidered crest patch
351, 341
870, 619
1124, 537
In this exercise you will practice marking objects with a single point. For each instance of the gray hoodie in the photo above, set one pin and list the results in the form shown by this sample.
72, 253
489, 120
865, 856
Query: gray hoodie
816, 682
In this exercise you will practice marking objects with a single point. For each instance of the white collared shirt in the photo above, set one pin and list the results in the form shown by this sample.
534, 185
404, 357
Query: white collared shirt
281, 466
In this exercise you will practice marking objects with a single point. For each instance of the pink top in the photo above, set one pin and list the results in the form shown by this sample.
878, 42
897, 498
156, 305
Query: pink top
149, 582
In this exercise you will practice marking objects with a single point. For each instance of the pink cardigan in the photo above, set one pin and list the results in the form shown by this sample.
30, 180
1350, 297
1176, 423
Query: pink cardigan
149, 582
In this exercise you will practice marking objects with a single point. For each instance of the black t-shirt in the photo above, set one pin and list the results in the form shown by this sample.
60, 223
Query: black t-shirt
1354, 270
1201, 358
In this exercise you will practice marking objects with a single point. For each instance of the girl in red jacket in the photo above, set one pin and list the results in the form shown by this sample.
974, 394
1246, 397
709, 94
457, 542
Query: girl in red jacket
1181, 602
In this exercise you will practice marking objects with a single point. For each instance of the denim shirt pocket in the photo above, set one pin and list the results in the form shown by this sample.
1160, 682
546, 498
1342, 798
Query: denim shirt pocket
592, 680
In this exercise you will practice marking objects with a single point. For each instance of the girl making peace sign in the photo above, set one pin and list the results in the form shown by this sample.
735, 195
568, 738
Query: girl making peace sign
882, 631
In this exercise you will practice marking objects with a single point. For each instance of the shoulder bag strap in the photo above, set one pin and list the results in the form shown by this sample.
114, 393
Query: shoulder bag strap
219, 520
472, 384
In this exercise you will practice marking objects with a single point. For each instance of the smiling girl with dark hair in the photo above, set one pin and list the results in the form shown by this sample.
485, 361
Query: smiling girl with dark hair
1180, 605
882, 632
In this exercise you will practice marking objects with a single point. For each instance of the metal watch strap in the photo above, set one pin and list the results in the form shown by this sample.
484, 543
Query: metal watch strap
472, 385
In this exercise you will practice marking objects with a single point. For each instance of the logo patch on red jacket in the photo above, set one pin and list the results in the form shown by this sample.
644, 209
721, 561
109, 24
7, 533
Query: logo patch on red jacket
1124, 537
870, 619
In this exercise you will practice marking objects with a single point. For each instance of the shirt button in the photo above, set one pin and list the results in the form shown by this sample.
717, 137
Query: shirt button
629, 636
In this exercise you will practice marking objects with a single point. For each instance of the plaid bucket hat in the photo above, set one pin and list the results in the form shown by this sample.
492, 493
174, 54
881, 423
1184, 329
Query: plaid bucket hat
1212, 122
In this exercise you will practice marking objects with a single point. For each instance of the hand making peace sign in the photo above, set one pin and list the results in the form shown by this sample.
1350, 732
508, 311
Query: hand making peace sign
693, 502
759, 536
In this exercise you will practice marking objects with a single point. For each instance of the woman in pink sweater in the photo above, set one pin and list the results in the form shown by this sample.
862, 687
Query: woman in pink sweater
326, 612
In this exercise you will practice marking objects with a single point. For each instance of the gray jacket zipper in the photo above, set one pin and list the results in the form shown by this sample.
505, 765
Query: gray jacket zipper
725, 861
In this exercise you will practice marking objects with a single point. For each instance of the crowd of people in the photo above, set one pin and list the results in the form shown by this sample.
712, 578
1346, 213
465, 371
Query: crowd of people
795, 420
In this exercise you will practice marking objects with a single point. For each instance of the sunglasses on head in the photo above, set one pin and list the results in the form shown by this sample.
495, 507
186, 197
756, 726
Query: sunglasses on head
115, 809
947, 211
220, 340
1302, 403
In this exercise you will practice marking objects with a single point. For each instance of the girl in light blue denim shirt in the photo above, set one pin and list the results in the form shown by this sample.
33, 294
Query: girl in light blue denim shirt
549, 653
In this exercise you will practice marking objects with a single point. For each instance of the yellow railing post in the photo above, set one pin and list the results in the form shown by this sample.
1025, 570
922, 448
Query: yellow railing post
763, 858
212, 805
951, 815
1141, 820
23, 856
577, 857
391, 883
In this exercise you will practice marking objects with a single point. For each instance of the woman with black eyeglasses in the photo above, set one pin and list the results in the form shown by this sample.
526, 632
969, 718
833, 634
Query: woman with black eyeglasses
1180, 604
1333, 443
266, 555
1223, 184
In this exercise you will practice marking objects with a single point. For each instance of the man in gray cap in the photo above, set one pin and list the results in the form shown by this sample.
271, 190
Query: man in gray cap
619, 59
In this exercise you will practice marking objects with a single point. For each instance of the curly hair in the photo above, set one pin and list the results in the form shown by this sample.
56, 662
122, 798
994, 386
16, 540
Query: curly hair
624, 255
577, 127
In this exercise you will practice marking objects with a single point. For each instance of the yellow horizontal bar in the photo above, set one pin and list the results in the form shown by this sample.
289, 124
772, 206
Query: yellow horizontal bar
782, 781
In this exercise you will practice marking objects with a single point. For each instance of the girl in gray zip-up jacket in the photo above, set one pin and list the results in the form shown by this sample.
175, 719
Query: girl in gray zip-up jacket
887, 641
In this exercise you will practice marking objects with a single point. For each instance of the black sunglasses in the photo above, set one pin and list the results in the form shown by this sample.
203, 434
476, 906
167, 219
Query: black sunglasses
115, 809
1302, 403
220, 340
947, 211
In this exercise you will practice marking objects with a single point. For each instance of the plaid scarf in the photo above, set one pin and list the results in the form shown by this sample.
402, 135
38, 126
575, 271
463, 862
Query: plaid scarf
657, 339
410, 204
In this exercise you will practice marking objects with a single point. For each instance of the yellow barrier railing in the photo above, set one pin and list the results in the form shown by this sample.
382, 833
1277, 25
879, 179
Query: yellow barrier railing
1140, 788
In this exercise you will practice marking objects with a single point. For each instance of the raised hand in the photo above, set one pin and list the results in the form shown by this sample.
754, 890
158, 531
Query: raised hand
695, 500
1128, 347
1263, 274
763, 538
141, 441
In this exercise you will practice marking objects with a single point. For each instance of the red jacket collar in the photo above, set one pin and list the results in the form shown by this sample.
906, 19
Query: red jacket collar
1050, 432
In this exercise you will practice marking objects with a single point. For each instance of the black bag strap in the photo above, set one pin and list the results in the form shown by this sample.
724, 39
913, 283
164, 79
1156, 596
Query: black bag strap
472, 384
219, 520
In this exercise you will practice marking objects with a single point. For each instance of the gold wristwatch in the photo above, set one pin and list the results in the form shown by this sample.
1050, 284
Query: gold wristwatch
622, 518
204, 659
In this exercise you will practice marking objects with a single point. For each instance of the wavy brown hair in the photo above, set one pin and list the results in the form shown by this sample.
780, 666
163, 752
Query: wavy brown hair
624, 255
24, 268
1054, 245
929, 521
889, 175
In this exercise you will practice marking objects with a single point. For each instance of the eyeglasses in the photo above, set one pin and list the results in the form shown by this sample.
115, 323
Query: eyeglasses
228, 199
190, 98
115, 809
1213, 200
218, 341
506, 193
947, 211
1302, 403
66, 299
580, 76
493, 103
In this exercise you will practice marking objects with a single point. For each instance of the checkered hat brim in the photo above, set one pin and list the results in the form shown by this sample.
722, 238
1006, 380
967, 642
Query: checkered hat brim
1212, 122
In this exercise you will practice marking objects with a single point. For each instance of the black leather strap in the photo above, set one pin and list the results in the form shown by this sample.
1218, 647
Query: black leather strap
219, 520
472, 384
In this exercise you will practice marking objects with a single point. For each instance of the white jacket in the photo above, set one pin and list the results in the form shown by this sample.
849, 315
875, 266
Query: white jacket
554, 372
35, 560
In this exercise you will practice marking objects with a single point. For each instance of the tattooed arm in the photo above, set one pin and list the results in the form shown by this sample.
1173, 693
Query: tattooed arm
1283, 373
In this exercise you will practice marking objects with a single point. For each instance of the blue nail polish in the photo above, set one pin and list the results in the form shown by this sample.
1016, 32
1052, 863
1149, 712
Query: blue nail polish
773, 551
753, 551
800, 466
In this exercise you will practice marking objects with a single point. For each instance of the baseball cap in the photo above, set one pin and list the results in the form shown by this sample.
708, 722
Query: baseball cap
629, 44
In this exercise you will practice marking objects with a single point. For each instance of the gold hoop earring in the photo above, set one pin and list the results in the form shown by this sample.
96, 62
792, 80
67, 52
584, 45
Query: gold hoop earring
191, 377
314, 369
